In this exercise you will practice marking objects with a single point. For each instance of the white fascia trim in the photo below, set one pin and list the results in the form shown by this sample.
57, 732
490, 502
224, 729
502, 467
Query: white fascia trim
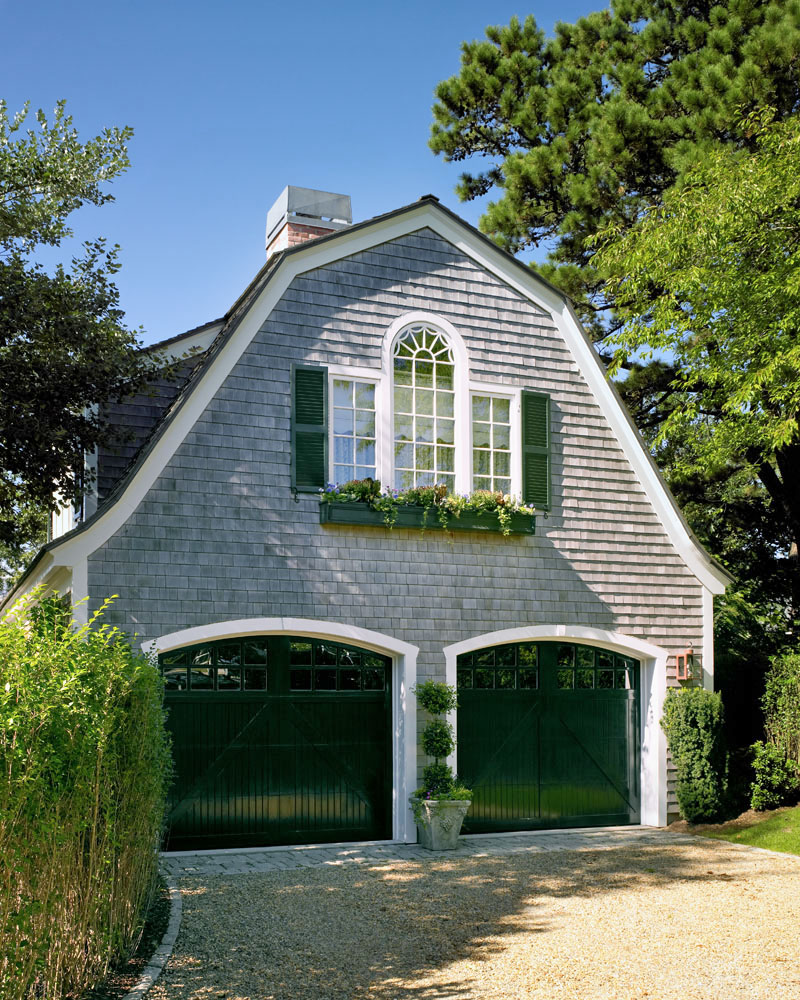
44, 571
653, 689
82, 545
80, 591
312, 256
404, 677
202, 341
592, 370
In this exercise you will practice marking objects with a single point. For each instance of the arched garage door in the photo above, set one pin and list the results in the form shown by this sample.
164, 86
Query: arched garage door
548, 736
278, 740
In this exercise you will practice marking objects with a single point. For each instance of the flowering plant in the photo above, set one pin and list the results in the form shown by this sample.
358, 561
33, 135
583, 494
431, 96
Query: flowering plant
444, 505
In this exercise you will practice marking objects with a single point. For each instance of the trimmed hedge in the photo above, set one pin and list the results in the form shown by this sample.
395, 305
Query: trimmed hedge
85, 764
693, 722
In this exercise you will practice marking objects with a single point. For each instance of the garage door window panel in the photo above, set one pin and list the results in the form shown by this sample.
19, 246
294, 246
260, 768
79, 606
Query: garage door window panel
558, 748
261, 762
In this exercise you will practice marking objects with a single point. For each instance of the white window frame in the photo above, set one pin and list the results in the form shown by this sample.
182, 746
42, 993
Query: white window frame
461, 400
514, 396
464, 389
353, 374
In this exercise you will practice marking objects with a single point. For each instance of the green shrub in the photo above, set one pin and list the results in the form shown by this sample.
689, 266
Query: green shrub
436, 698
777, 780
693, 723
85, 762
781, 704
437, 741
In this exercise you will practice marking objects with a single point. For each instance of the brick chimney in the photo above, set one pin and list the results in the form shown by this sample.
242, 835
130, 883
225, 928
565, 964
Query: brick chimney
301, 214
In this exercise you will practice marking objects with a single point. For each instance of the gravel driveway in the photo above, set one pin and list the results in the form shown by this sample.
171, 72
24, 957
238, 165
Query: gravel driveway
699, 918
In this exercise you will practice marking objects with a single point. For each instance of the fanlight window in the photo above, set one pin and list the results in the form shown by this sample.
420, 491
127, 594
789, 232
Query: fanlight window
424, 409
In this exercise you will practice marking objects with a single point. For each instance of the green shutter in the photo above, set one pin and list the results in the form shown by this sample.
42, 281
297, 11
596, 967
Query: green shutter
536, 449
309, 427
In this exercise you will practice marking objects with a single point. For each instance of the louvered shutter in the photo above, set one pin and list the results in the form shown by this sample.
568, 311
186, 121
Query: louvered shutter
309, 427
536, 449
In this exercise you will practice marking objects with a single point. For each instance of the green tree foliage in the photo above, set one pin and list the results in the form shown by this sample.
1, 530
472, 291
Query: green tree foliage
776, 761
84, 763
712, 276
589, 128
775, 781
781, 704
63, 345
693, 723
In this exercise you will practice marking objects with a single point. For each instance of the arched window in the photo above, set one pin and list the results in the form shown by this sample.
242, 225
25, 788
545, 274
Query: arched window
423, 388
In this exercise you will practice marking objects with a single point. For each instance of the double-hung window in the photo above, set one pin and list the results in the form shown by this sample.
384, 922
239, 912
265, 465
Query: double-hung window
424, 409
353, 429
414, 423
491, 443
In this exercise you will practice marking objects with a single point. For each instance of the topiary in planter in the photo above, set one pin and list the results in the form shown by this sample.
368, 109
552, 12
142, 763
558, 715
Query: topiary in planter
441, 802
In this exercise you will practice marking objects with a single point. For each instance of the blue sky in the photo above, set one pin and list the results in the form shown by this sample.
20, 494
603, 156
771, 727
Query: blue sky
231, 102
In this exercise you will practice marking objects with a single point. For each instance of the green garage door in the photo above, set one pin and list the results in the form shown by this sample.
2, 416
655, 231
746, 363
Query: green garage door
548, 736
278, 740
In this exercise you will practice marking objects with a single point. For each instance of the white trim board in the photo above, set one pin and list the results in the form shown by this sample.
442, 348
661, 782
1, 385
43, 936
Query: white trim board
652, 686
404, 677
312, 255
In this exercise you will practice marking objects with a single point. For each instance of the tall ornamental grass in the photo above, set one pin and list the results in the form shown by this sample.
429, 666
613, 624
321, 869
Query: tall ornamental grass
84, 763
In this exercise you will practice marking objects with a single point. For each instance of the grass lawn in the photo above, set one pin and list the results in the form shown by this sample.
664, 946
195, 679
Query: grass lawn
776, 830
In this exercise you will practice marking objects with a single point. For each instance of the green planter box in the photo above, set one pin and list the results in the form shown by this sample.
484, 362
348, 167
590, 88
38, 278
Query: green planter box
414, 517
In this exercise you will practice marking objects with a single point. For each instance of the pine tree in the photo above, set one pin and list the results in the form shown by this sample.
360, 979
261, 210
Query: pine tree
590, 127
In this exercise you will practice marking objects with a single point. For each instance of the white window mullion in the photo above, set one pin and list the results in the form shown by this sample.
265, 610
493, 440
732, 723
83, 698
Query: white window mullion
384, 421
463, 436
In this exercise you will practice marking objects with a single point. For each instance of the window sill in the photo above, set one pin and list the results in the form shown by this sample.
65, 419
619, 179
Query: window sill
414, 517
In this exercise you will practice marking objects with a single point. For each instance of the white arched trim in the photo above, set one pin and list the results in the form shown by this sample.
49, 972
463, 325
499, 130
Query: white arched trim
460, 385
653, 688
404, 676
428, 319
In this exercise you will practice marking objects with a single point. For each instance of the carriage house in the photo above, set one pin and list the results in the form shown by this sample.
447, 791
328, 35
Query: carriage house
407, 349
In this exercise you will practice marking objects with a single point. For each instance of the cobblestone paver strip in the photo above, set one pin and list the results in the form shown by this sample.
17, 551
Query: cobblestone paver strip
183, 864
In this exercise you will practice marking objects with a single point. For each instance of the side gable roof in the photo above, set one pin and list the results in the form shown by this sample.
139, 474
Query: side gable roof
246, 317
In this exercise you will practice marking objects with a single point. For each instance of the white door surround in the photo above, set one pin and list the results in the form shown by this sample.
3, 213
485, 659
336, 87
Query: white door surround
404, 675
653, 687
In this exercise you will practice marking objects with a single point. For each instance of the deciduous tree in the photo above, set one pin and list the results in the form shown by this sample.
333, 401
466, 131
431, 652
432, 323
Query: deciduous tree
63, 345
590, 127
712, 277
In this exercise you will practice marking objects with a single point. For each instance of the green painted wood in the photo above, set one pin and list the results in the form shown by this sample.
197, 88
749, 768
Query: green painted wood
278, 765
309, 427
536, 449
415, 517
558, 754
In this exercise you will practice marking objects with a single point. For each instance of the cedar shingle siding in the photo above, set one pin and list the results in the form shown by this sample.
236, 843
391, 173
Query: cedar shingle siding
219, 535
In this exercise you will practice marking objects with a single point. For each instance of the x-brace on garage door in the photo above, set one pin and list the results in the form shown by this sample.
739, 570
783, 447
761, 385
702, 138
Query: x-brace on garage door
548, 736
278, 740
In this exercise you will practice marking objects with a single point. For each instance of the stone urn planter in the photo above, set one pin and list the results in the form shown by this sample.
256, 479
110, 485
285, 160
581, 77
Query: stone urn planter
439, 822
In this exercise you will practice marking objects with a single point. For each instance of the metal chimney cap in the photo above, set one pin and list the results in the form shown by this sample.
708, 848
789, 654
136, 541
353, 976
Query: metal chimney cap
306, 203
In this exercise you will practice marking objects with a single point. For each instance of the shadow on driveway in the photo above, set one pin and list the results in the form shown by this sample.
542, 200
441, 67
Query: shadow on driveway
568, 923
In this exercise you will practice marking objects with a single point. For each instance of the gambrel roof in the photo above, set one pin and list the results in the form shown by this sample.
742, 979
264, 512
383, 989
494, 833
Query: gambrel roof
232, 335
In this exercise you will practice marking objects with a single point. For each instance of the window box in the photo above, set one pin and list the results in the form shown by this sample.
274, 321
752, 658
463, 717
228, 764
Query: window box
414, 517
